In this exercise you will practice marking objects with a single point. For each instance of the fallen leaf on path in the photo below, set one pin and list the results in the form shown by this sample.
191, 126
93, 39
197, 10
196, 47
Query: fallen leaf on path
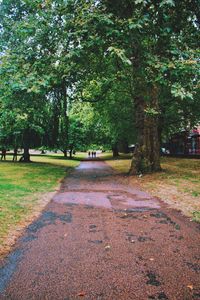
190, 286
151, 259
107, 247
81, 294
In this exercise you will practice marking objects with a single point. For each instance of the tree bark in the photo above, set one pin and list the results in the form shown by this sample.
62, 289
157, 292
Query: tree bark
26, 154
65, 153
155, 149
71, 150
64, 117
115, 150
56, 111
146, 156
123, 146
137, 160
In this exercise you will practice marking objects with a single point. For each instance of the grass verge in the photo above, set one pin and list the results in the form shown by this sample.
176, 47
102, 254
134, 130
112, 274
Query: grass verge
178, 184
24, 191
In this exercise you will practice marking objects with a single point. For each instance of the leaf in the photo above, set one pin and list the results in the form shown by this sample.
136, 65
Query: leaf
121, 54
151, 111
190, 286
167, 2
135, 26
107, 247
178, 91
81, 294
140, 2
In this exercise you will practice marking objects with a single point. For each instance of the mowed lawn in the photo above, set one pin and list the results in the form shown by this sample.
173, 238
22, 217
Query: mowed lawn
23, 185
178, 184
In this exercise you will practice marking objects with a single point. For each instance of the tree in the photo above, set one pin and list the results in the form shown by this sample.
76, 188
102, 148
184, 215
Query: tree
151, 37
37, 58
92, 50
22, 113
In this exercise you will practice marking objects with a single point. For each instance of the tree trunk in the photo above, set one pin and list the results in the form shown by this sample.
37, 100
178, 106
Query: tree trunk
65, 153
115, 150
137, 160
146, 157
26, 141
154, 155
56, 111
26, 154
64, 118
123, 146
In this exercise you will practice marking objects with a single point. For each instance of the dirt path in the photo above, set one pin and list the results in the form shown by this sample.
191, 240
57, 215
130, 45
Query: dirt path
98, 239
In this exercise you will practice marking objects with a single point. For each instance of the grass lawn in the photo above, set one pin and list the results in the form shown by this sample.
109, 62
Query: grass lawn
178, 184
22, 190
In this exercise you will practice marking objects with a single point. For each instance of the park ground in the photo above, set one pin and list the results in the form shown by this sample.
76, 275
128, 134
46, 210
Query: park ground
178, 184
100, 238
25, 189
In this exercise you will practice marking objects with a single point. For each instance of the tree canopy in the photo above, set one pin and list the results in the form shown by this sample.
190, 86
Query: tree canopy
110, 73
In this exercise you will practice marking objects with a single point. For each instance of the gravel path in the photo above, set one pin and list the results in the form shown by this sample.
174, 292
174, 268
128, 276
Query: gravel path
98, 239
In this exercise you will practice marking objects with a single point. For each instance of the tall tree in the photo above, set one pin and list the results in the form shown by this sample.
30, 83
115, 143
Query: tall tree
152, 35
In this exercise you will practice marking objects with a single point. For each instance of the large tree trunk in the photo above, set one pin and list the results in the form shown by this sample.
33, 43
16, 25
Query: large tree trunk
56, 111
146, 157
137, 160
151, 135
115, 150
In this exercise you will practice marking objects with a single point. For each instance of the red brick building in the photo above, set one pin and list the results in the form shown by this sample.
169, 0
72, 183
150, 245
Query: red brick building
185, 143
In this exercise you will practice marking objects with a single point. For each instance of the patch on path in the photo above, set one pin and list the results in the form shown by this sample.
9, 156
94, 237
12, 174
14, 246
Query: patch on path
165, 219
152, 279
106, 199
48, 218
160, 296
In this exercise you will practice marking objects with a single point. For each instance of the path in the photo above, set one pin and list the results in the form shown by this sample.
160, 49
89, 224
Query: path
98, 239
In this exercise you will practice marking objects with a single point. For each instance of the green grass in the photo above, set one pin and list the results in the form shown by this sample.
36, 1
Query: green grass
196, 216
22, 184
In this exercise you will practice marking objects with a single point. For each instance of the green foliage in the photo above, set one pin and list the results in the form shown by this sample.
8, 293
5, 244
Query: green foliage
58, 55
121, 54
151, 111
196, 216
